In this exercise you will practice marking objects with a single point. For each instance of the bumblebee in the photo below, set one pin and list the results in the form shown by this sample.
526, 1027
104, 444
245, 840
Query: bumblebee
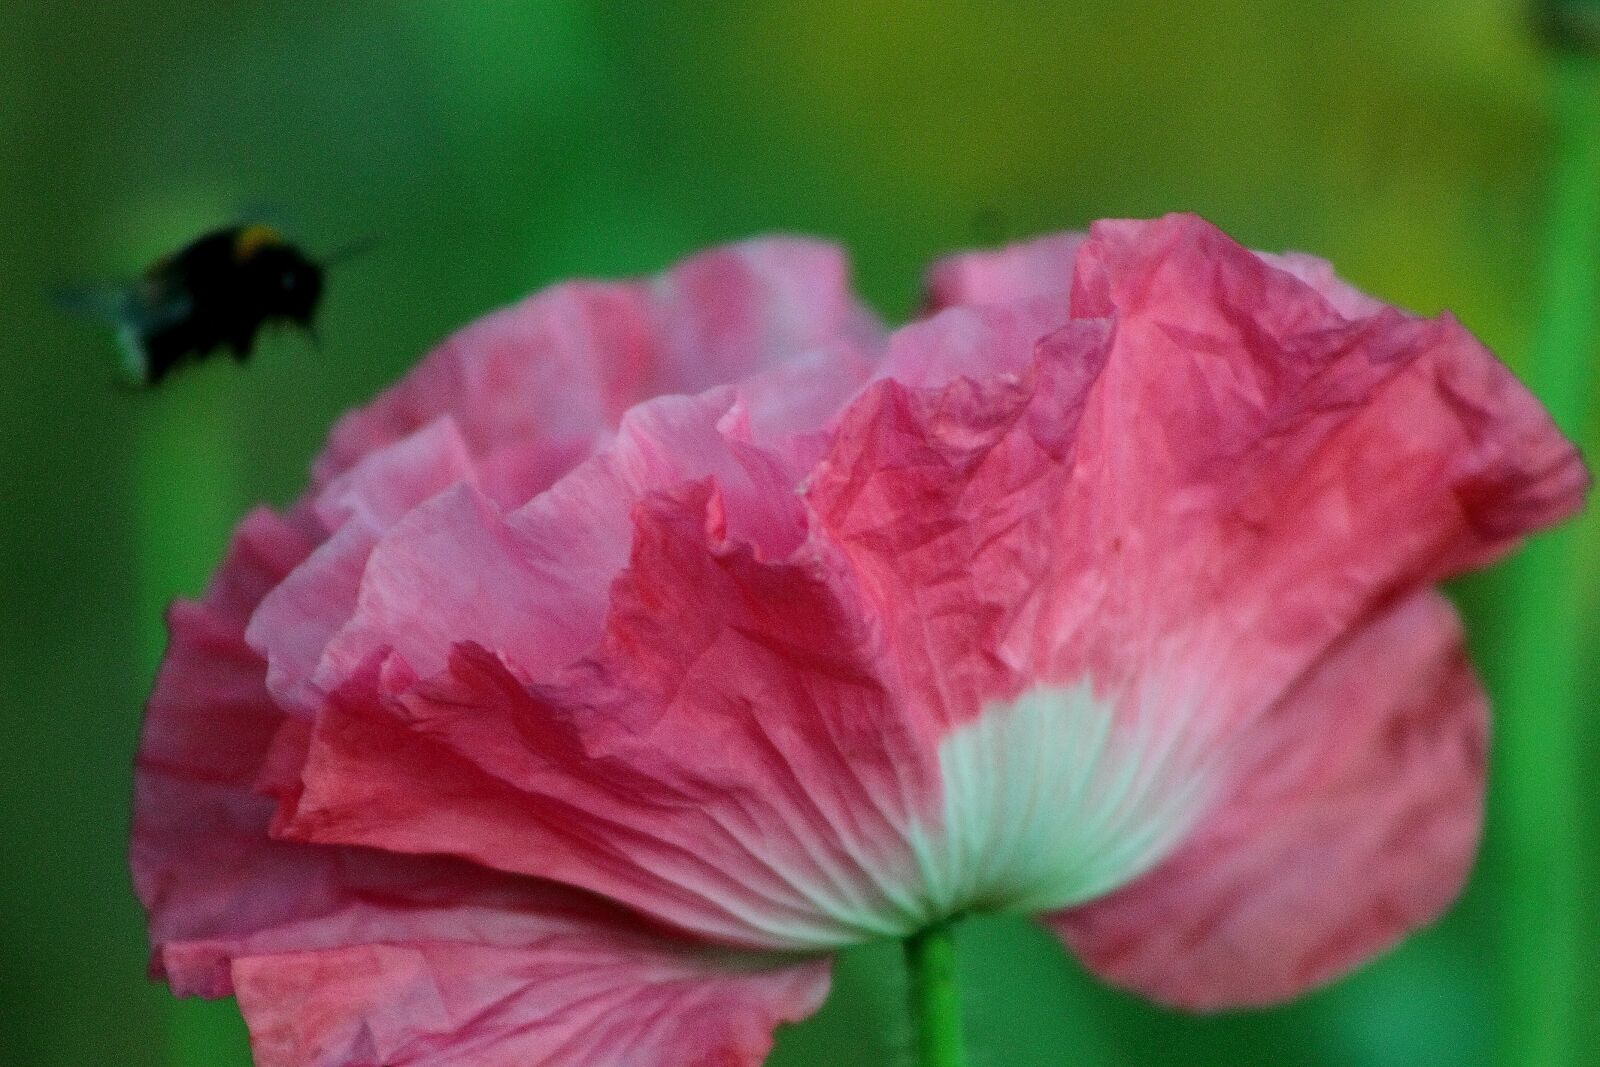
216, 292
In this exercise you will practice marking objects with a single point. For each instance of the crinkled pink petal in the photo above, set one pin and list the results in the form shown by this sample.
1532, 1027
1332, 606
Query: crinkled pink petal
1352, 820
731, 762
347, 956
946, 501
1343, 297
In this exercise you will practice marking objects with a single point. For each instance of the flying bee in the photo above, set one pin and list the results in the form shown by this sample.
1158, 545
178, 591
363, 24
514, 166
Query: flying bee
216, 292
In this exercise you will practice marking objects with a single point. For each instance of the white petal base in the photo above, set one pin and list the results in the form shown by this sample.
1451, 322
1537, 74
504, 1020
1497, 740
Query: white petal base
1050, 801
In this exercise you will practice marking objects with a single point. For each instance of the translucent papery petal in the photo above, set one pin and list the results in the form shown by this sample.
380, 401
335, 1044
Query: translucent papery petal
565, 363
349, 956
1257, 470
946, 500
1352, 818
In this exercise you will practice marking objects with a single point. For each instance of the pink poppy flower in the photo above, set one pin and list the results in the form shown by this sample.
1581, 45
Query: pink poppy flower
651, 641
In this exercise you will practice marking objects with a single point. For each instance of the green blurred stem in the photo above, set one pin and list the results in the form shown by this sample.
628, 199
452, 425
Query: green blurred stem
186, 478
1539, 790
935, 999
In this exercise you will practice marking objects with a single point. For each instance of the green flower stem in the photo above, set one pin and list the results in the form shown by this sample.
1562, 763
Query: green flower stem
935, 1000
1538, 792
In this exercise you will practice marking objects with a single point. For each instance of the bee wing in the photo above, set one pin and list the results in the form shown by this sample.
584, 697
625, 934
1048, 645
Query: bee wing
144, 305
137, 310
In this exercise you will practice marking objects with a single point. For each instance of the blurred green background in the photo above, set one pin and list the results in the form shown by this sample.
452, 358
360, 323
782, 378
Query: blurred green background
496, 146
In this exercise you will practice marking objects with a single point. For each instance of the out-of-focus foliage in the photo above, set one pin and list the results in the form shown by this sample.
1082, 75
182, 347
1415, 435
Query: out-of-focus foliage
495, 146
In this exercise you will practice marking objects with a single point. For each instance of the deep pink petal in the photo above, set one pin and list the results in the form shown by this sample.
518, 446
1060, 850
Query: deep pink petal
1352, 819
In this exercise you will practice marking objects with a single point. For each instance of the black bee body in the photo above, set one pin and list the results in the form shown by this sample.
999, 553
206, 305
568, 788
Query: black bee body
216, 292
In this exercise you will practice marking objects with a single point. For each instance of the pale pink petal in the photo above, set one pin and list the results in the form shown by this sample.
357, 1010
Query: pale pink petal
1352, 819
736, 311
1043, 266
1018, 272
297, 618
515, 402
979, 342
534, 583
390, 481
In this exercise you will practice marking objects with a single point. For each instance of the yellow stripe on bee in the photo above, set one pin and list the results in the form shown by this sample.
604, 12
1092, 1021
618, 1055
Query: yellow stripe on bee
253, 239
